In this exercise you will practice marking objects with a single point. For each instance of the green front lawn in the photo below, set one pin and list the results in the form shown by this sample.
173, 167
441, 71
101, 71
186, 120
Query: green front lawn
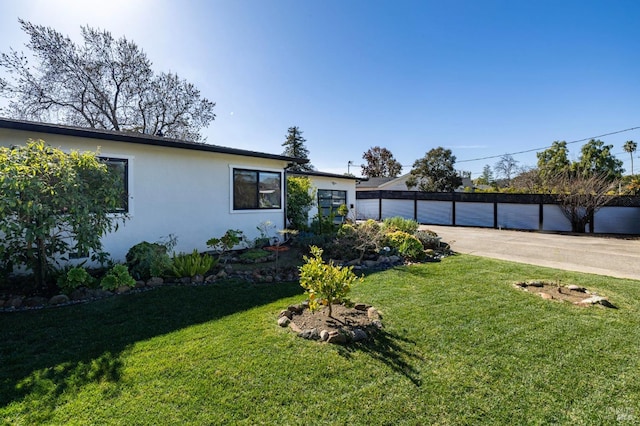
460, 346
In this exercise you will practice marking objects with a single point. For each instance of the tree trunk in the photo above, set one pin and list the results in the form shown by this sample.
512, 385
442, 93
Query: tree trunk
41, 262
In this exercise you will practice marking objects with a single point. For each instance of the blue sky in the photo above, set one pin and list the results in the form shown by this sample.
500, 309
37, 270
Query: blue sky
482, 78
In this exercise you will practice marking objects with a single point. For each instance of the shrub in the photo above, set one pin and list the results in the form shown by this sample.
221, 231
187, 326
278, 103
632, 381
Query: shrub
429, 239
117, 276
304, 240
300, 198
254, 254
190, 265
229, 240
407, 245
51, 203
146, 260
325, 283
398, 223
73, 278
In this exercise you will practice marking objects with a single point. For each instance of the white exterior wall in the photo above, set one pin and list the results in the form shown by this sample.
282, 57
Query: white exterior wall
182, 192
335, 184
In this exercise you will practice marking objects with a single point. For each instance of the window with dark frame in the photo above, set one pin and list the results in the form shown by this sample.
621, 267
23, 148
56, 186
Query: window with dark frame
256, 189
329, 200
120, 166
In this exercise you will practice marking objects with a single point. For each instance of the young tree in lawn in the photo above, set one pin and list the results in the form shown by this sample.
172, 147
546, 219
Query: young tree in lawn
102, 83
435, 172
380, 163
53, 203
294, 147
630, 147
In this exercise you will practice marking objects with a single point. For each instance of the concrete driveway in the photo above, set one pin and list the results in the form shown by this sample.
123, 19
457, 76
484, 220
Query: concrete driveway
615, 257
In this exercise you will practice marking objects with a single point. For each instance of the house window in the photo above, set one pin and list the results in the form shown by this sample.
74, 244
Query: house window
330, 200
256, 189
121, 168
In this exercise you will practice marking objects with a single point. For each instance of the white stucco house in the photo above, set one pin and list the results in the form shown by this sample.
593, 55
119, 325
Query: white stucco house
332, 190
193, 191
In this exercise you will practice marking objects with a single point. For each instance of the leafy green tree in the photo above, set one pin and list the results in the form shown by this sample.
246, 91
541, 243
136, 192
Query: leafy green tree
53, 203
102, 83
300, 199
553, 160
630, 147
380, 163
435, 172
596, 159
294, 147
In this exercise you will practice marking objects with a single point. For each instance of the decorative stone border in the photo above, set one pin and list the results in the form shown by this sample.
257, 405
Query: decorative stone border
587, 298
343, 335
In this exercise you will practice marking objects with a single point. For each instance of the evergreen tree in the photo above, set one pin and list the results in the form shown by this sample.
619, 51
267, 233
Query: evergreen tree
294, 147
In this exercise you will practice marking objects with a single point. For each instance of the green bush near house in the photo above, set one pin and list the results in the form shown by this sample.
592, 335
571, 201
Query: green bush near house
146, 260
73, 278
192, 264
398, 223
116, 277
406, 244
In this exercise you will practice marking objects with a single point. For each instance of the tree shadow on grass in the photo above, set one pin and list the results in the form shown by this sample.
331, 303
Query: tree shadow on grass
46, 353
393, 351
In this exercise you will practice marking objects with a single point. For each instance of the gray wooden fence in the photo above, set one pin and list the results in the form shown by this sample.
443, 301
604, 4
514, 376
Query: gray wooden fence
494, 210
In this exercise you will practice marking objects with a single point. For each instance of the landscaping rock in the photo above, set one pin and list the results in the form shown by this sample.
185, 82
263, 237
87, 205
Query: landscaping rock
155, 281
140, 284
296, 309
359, 335
123, 289
395, 259
377, 324
14, 302
546, 296
197, 279
32, 302
310, 334
286, 313
324, 335
370, 263
294, 327
79, 294
574, 287
535, 284
100, 293
336, 338
210, 279
185, 280
283, 321
361, 306
373, 313
59, 299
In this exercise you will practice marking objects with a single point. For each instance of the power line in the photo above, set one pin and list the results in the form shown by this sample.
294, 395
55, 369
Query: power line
546, 147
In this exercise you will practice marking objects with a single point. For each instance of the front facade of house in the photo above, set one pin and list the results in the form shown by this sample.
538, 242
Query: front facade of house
188, 190
331, 191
